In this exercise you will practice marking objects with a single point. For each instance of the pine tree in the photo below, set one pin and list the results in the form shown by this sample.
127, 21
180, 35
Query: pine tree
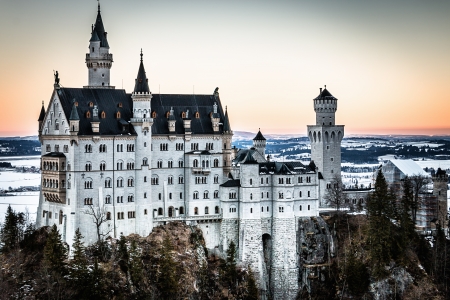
252, 289
79, 271
405, 213
230, 275
55, 252
379, 212
11, 233
167, 281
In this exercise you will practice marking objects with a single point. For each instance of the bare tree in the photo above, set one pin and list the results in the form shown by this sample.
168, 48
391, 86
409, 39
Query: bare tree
99, 217
335, 196
419, 183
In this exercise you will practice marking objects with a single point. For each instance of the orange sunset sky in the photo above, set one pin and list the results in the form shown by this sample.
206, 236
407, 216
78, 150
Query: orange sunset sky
388, 62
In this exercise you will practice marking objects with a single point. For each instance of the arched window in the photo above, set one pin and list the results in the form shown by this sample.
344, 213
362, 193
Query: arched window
251, 196
181, 210
145, 161
205, 195
107, 182
216, 210
216, 163
108, 216
251, 181
197, 115
102, 166
88, 183
160, 211
103, 115
195, 164
153, 114
108, 199
216, 194
120, 182
206, 210
60, 217
195, 210
195, 195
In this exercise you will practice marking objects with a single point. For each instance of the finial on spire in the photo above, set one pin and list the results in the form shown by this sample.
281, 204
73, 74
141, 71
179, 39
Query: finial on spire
98, 6
141, 55
325, 86
42, 102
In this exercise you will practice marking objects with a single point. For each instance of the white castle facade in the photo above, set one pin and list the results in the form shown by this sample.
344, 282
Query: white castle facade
130, 162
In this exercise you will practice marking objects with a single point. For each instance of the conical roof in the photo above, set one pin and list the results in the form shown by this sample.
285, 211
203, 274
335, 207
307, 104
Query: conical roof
259, 136
325, 95
94, 37
99, 29
226, 122
74, 113
42, 114
141, 85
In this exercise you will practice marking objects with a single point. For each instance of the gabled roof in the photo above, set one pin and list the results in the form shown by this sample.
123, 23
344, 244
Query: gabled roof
109, 101
259, 136
203, 104
293, 167
408, 167
42, 114
100, 30
141, 85
242, 155
325, 95
232, 183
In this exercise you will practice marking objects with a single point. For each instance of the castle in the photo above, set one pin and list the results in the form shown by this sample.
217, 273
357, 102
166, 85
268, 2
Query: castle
115, 163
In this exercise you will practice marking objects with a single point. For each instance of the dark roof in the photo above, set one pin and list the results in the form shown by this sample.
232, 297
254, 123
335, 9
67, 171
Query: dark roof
284, 168
109, 101
112, 101
94, 37
232, 183
325, 95
141, 85
226, 122
100, 30
259, 136
42, 114
203, 104
243, 154
54, 154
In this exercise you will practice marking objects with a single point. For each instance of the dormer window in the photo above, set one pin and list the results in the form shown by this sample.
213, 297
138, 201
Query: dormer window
88, 114
197, 115
76, 104
183, 115
118, 115
153, 114
103, 115
91, 104
120, 104
167, 114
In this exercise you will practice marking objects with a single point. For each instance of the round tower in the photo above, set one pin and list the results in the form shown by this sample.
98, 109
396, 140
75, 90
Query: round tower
325, 138
259, 143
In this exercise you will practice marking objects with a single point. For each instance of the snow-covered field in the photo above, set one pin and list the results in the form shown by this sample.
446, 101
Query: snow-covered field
25, 201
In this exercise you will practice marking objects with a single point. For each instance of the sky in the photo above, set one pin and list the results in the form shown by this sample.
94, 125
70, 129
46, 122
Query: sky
387, 61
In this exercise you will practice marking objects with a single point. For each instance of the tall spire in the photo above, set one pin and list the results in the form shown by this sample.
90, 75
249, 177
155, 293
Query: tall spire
141, 85
100, 29
42, 114
226, 122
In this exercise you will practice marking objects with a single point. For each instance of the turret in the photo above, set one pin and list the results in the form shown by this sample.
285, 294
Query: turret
74, 120
325, 106
141, 99
227, 137
98, 60
259, 143
215, 118
41, 118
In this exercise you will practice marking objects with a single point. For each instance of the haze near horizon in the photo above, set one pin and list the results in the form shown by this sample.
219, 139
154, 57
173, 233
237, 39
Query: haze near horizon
386, 61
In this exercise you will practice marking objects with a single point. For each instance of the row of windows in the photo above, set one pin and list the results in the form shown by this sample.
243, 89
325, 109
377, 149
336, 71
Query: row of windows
282, 180
119, 165
48, 148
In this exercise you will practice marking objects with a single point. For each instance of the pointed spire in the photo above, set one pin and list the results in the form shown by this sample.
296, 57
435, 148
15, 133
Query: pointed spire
42, 114
259, 136
226, 122
100, 30
74, 113
141, 85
